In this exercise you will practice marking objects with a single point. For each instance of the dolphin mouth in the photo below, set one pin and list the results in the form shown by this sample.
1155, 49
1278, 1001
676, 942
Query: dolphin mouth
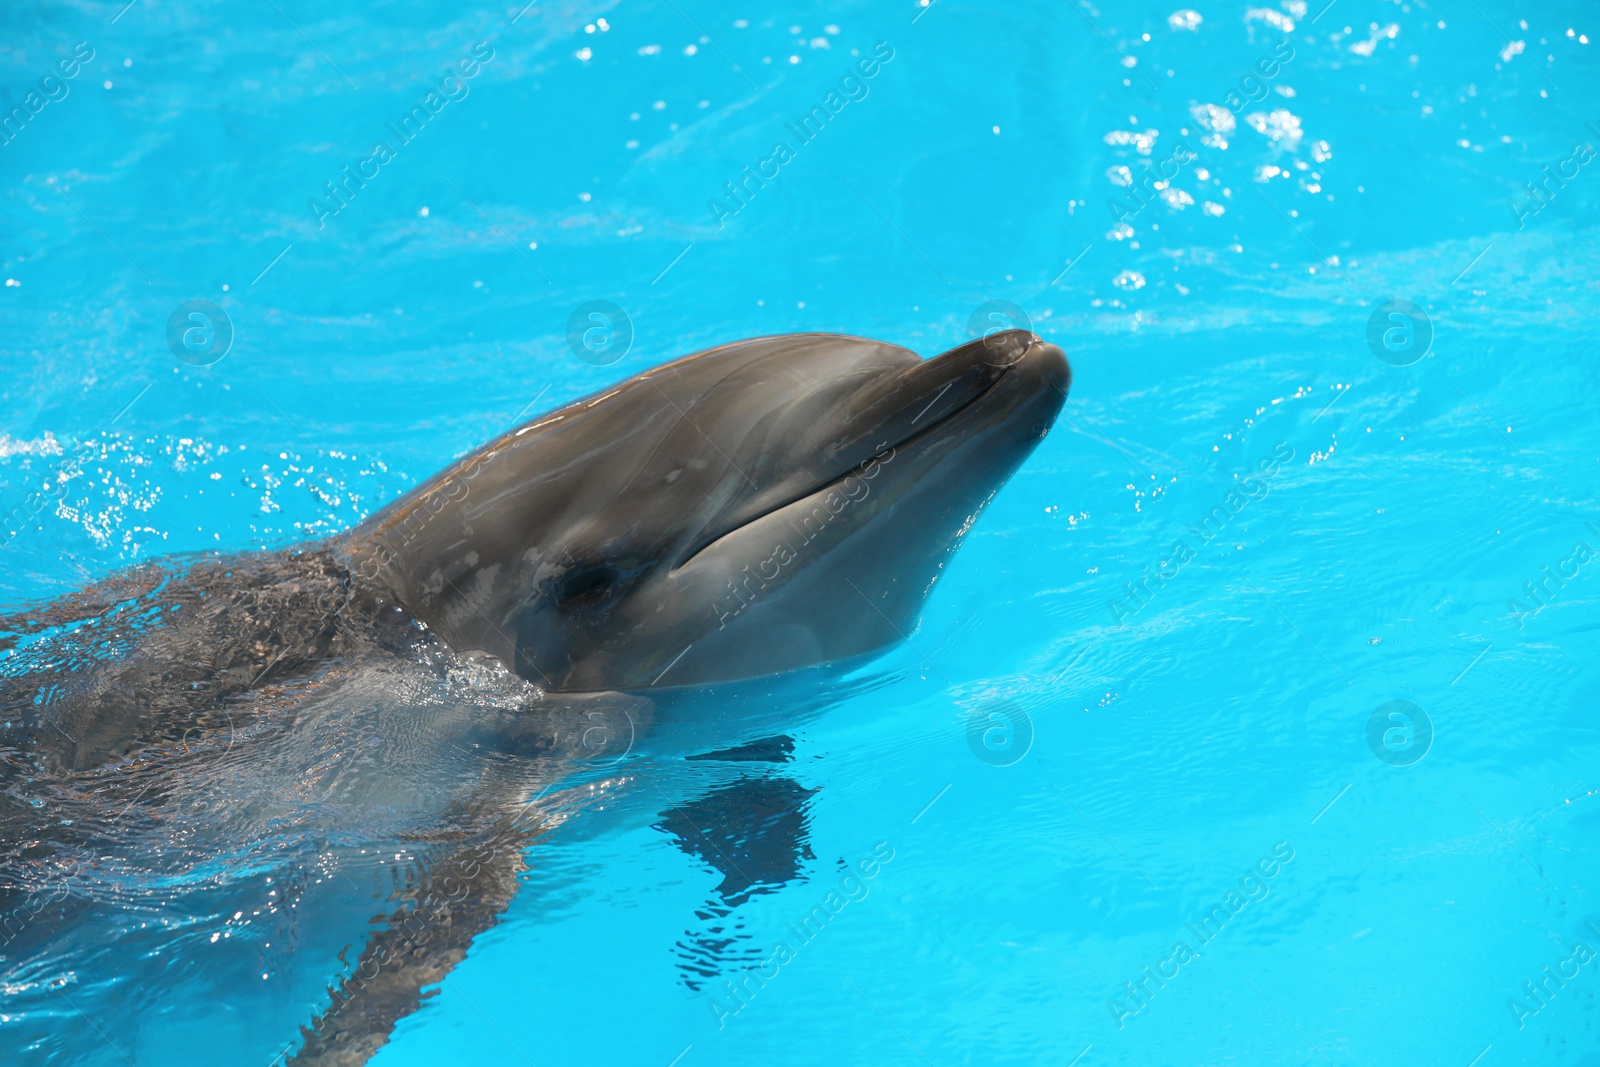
989, 361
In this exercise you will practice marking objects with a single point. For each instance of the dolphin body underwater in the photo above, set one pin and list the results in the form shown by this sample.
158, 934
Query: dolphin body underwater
230, 754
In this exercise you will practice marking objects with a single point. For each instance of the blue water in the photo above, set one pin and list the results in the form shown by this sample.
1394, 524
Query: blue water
1185, 738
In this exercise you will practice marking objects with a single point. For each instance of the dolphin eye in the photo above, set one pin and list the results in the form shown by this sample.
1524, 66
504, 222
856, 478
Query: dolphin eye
586, 589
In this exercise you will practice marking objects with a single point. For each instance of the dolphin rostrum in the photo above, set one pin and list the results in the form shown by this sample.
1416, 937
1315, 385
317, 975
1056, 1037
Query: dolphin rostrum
403, 708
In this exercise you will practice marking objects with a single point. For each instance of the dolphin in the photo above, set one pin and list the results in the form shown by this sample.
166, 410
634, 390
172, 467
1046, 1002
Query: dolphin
473, 665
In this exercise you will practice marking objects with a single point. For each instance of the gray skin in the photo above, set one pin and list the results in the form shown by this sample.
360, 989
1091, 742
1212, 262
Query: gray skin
205, 737
753, 509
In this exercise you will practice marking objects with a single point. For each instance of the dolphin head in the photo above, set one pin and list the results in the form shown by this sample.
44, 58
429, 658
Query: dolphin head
748, 510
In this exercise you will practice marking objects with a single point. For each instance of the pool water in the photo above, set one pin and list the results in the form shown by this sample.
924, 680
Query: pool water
1253, 724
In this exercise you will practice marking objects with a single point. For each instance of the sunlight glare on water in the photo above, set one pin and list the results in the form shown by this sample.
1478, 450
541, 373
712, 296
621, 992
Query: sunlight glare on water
1251, 725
